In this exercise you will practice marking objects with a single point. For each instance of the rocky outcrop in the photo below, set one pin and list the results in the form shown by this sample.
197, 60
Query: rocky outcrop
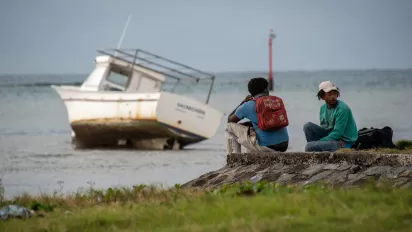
339, 169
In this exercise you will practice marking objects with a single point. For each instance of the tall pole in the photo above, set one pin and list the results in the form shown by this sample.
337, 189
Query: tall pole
271, 37
123, 33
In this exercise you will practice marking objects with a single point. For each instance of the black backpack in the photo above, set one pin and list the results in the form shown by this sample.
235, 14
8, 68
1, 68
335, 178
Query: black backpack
374, 138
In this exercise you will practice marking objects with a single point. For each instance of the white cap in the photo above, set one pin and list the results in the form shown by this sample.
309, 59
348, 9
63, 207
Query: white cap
327, 86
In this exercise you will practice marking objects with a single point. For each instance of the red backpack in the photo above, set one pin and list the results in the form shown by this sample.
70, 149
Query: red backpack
271, 113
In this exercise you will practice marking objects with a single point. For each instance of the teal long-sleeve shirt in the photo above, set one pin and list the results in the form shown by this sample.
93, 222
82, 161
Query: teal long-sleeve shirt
339, 122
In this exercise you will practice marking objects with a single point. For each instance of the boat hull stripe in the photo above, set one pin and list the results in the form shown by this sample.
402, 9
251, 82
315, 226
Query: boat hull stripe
184, 132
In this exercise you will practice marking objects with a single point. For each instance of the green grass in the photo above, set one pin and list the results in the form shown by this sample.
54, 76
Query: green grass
240, 207
402, 147
404, 144
378, 151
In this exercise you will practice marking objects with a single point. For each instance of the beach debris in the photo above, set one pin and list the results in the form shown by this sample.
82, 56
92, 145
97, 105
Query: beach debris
15, 211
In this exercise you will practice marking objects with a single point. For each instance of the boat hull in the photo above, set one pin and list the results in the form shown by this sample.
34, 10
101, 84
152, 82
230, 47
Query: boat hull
160, 120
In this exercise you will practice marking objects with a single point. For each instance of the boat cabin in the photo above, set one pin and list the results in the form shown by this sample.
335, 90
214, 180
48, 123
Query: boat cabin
115, 74
136, 70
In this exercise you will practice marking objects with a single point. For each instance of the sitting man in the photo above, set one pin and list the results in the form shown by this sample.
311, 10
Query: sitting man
337, 127
273, 136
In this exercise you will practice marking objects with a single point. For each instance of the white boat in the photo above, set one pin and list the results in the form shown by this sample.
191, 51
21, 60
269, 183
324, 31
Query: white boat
122, 103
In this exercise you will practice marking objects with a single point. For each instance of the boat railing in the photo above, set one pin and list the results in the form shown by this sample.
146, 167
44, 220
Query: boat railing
156, 63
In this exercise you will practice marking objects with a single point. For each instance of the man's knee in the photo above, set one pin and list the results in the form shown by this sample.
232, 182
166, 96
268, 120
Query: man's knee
308, 126
229, 126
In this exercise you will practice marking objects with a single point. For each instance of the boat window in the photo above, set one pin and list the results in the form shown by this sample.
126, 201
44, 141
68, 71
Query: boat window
118, 79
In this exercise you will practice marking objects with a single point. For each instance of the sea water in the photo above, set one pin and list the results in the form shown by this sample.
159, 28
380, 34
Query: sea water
37, 156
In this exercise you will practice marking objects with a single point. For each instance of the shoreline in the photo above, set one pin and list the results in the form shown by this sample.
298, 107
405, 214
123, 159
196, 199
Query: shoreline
264, 192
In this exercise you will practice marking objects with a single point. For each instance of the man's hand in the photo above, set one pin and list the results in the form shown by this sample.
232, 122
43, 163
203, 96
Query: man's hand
247, 98
342, 143
232, 117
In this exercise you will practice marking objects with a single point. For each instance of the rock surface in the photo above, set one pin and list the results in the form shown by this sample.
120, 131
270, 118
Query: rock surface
340, 169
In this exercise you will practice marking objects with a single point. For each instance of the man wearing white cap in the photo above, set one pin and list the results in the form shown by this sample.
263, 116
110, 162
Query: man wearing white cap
337, 126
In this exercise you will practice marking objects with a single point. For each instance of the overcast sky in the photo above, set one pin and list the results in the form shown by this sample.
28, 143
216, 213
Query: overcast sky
56, 36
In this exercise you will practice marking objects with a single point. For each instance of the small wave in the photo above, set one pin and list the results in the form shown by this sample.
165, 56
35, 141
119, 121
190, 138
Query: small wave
33, 133
39, 84
52, 155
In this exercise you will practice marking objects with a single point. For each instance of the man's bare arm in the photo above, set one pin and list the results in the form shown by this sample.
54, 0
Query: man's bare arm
232, 117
